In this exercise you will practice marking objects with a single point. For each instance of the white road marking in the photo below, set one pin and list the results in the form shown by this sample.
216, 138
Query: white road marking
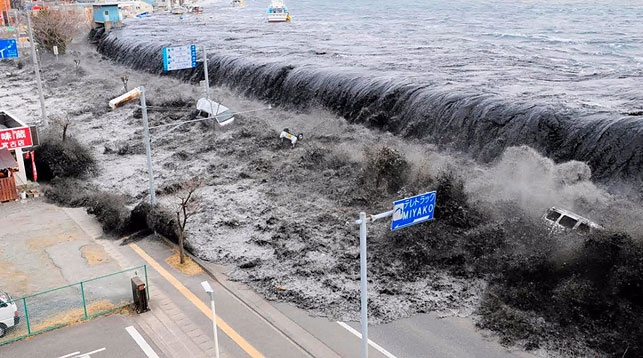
88, 354
149, 352
83, 355
69, 355
371, 343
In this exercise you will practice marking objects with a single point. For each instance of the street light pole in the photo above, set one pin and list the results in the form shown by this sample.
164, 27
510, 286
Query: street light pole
37, 66
210, 291
148, 149
363, 219
139, 92
363, 283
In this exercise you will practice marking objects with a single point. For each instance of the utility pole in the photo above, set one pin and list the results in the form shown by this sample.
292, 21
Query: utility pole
43, 112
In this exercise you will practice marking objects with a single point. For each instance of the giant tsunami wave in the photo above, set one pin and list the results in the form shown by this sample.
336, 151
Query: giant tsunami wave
480, 124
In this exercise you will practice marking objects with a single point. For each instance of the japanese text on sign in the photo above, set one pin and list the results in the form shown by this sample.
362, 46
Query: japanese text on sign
410, 211
176, 58
14, 138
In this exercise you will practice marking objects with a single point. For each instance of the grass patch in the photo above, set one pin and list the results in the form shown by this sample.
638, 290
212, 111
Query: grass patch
94, 254
69, 317
189, 267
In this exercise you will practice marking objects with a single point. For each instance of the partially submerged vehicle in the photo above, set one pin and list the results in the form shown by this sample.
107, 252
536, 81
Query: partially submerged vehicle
212, 109
564, 220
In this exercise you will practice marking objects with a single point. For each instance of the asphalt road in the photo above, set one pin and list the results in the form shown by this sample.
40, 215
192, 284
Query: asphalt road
104, 337
421, 336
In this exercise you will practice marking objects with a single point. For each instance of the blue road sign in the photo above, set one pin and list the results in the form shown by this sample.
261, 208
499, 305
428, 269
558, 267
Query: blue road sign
8, 48
177, 58
413, 210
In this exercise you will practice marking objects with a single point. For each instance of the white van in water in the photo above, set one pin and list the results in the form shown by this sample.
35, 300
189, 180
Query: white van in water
221, 113
562, 220
8, 313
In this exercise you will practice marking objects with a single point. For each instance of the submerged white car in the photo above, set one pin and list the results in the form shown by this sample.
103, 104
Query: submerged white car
564, 220
210, 108
8, 313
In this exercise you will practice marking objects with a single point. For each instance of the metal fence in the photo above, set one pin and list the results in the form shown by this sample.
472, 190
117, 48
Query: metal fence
73, 303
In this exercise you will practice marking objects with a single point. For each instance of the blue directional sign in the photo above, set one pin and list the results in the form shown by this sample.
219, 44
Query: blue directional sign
8, 48
413, 210
177, 58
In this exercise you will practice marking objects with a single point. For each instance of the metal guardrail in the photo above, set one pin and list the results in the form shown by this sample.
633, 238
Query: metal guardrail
65, 305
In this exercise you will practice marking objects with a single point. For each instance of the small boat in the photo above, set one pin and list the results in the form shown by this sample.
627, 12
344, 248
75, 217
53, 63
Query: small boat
208, 107
278, 12
195, 9
179, 10
238, 3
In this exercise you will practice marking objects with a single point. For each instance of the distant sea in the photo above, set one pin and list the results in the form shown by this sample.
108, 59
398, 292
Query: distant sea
563, 76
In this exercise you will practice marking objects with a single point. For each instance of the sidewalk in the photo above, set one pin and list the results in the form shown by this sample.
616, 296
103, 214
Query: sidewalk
165, 323
299, 336
175, 332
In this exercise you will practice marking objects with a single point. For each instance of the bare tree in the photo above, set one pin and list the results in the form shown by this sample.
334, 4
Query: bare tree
124, 79
76, 56
63, 121
188, 206
57, 28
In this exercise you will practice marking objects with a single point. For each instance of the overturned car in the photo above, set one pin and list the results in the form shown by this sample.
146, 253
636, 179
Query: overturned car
564, 220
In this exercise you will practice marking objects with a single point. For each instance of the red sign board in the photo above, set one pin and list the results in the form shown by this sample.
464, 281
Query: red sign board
13, 138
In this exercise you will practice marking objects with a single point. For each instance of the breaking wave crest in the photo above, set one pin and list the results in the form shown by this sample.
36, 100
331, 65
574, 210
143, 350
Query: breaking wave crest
482, 125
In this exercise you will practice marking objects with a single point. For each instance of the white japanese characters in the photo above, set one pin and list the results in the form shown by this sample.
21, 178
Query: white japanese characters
15, 138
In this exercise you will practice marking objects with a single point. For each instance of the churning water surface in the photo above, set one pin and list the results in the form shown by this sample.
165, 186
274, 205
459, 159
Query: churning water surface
560, 75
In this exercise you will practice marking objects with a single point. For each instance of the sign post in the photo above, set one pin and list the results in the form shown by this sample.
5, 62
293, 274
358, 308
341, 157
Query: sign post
406, 212
207, 84
182, 57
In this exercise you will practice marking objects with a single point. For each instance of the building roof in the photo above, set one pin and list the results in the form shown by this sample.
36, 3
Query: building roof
6, 159
9, 120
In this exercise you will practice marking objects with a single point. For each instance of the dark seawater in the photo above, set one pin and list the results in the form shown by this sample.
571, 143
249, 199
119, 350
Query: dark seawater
562, 76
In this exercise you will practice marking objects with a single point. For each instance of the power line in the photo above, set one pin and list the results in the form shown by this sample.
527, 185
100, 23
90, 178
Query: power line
177, 125
202, 119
